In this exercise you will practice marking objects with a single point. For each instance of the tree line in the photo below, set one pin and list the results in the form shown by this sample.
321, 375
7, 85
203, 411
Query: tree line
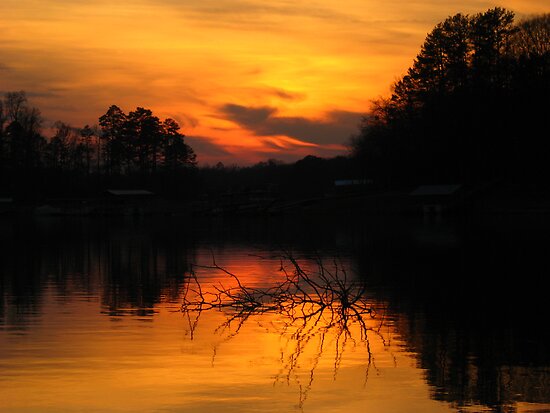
472, 108
129, 150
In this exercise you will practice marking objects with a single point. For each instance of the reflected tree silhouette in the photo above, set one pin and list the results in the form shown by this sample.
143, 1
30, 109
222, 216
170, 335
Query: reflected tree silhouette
317, 305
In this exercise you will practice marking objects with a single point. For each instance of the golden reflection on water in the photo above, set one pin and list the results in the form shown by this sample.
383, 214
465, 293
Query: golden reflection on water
131, 365
76, 357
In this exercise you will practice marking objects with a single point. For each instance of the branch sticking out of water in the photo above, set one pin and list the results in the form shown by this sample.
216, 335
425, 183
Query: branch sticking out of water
297, 294
309, 304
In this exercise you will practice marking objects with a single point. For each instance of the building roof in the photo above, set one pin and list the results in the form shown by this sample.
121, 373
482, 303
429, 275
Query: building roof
129, 192
348, 182
423, 190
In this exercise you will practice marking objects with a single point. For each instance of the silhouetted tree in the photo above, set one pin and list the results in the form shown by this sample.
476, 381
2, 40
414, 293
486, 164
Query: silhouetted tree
126, 149
467, 108
115, 152
176, 153
23, 132
144, 139
59, 148
154, 151
21, 145
86, 134
3, 144
15, 106
442, 63
491, 37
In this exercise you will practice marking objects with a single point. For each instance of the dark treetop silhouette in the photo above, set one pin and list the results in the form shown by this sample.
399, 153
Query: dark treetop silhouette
129, 150
472, 109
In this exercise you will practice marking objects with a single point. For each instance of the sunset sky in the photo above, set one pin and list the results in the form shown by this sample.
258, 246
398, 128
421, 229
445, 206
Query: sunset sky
247, 79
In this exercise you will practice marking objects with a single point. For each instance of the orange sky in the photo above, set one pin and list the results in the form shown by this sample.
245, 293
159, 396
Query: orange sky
247, 79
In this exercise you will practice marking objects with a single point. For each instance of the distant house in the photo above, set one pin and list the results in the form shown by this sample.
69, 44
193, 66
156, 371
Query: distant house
350, 182
434, 199
130, 193
350, 185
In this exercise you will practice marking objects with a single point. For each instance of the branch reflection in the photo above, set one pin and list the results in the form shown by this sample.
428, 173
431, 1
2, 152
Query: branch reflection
316, 307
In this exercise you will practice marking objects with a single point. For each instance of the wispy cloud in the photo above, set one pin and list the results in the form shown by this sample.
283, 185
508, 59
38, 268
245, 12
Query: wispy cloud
250, 13
335, 127
263, 92
206, 146
256, 77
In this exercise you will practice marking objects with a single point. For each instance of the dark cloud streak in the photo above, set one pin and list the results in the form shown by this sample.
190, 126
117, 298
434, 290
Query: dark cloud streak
203, 145
286, 95
252, 118
243, 11
335, 128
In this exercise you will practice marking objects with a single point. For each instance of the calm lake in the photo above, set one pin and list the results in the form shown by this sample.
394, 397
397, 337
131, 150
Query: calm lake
454, 315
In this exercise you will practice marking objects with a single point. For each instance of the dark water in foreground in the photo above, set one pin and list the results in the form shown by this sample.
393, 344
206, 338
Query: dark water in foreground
91, 321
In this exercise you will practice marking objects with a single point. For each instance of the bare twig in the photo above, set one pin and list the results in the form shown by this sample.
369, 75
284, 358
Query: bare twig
310, 305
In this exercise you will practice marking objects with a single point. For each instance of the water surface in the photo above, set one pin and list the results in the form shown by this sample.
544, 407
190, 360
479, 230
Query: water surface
91, 320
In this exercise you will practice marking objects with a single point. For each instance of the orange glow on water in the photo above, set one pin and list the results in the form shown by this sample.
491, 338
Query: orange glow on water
142, 364
101, 327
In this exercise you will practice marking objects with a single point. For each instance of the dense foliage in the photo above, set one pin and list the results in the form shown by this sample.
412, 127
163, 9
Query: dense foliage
305, 178
472, 108
126, 150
